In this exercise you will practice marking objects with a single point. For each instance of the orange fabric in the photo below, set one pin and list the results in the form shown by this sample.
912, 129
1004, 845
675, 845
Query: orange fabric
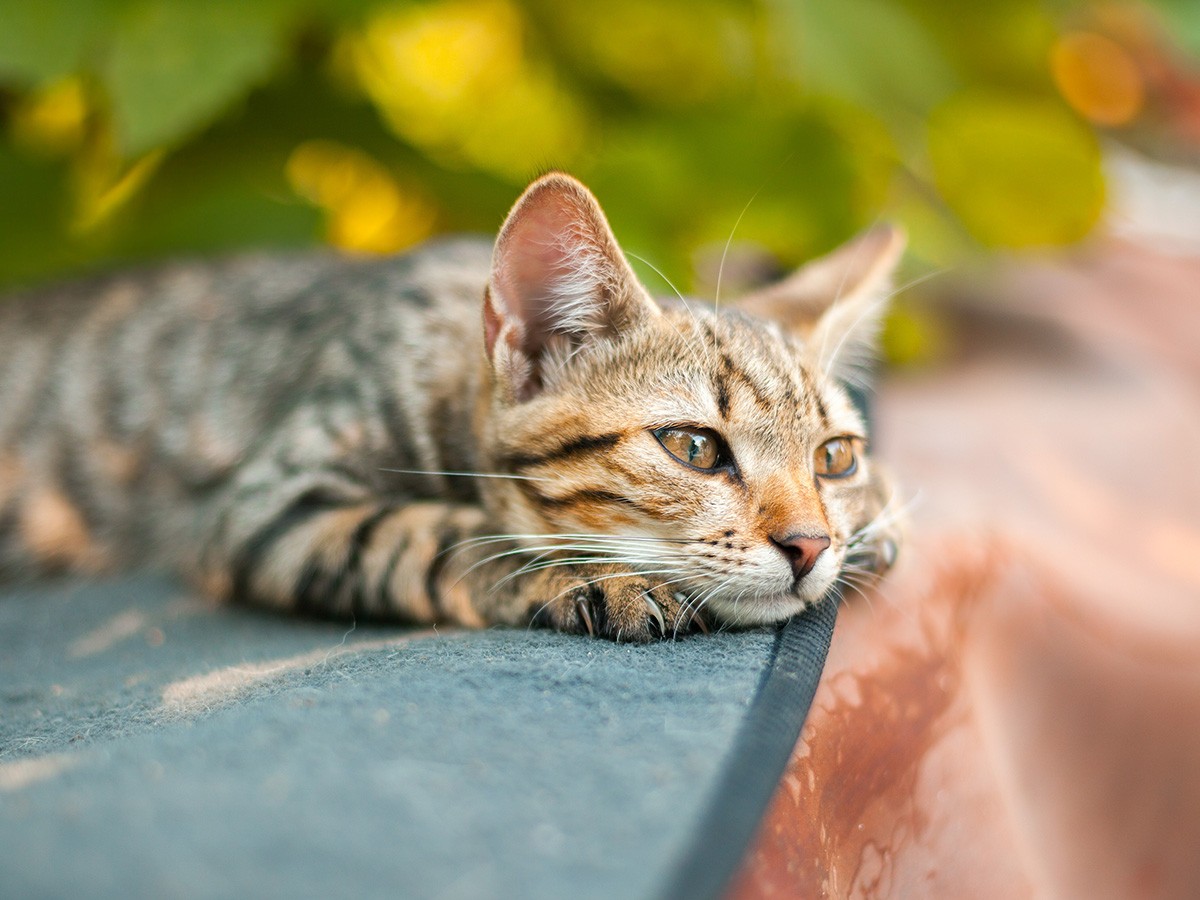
1016, 711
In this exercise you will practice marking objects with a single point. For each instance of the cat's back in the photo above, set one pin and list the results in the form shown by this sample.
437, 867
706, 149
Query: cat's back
242, 320
125, 395
255, 286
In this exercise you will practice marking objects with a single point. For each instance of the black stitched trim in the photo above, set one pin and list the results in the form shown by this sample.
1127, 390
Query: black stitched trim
760, 754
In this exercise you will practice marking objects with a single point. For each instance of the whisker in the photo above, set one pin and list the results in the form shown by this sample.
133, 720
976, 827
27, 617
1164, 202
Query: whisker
537, 566
683, 300
483, 540
920, 279
845, 582
543, 551
705, 596
589, 583
464, 474
729, 242
871, 308
837, 295
543, 536
660, 274
885, 517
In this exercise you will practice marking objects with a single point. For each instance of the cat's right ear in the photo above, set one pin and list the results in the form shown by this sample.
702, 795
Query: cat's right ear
558, 280
836, 303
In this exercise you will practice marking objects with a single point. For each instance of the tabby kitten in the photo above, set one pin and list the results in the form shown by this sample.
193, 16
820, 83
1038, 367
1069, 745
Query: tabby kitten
352, 437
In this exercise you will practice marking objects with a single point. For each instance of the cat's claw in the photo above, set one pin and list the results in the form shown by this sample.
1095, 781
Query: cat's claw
586, 615
656, 612
605, 600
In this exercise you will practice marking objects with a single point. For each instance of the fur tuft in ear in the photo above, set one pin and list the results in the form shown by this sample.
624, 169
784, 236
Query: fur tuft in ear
837, 302
558, 280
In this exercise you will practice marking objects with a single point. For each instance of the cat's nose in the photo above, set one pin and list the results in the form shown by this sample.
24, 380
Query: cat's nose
801, 551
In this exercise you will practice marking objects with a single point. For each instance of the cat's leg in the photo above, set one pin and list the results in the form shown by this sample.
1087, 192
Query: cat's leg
368, 558
330, 549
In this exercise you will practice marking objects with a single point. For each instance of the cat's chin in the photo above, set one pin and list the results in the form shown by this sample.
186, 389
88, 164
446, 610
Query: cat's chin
765, 610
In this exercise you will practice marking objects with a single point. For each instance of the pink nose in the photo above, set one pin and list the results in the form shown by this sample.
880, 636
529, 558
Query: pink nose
801, 551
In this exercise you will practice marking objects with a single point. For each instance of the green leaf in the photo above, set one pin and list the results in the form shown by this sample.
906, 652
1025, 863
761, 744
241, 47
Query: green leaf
1017, 172
174, 67
1183, 19
45, 39
873, 52
33, 206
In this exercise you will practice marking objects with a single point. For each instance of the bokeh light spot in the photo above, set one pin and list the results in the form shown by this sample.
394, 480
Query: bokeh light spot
366, 209
454, 79
1098, 77
51, 121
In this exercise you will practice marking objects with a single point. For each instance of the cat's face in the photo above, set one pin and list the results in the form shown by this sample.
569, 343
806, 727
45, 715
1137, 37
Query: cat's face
714, 450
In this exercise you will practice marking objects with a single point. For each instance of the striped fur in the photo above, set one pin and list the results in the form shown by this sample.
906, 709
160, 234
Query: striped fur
347, 437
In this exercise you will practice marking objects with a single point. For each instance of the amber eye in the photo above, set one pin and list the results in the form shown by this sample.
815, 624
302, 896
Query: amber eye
835, 458
698, 447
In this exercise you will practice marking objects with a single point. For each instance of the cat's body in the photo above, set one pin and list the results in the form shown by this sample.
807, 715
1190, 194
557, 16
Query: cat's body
281, 430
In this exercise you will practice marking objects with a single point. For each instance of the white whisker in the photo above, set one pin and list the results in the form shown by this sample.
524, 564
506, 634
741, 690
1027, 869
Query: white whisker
728, 243
683, 300
464, 474
660, 274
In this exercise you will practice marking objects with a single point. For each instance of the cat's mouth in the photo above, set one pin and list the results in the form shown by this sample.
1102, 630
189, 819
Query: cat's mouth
761, 610
765, 592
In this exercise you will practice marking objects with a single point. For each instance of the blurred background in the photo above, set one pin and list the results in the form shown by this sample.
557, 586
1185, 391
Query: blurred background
1044, 156
137, 129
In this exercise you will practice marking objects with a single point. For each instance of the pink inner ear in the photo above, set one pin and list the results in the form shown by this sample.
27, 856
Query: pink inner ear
534, 262
544, 272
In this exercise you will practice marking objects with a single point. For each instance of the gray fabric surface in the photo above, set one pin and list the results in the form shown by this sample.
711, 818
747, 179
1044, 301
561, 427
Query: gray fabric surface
153, 745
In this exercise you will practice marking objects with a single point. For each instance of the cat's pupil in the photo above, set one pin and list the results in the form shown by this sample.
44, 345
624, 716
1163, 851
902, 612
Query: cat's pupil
835, 458
699, 448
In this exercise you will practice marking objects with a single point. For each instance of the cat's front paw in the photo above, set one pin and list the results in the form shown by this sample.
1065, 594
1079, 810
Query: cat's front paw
876, 556
874, 548
610, 601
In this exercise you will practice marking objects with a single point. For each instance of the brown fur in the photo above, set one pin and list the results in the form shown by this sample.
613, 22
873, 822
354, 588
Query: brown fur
287, 431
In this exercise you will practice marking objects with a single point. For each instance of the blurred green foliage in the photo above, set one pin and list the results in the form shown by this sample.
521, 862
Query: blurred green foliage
140, 128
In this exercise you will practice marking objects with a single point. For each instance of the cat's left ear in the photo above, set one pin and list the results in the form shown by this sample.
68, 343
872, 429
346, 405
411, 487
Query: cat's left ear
837, 302
558, 281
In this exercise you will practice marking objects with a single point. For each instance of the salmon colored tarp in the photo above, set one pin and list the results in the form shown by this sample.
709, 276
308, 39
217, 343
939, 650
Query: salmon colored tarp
1016, 711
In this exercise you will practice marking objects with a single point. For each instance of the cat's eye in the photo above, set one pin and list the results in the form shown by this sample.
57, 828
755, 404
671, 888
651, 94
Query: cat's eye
835, 458
699, 448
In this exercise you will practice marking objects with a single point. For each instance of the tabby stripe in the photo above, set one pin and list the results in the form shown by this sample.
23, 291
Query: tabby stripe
587, 444
821, 410
383, 593
811, 389
317, 588
441, 555
310, 586
359, 541
299, 512
729, 369
722, 387
584, 495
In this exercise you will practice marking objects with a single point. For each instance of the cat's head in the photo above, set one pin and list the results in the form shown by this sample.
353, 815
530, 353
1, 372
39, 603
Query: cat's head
717, 449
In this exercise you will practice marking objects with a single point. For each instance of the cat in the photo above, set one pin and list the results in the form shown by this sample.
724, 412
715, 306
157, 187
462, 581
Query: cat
468, 433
